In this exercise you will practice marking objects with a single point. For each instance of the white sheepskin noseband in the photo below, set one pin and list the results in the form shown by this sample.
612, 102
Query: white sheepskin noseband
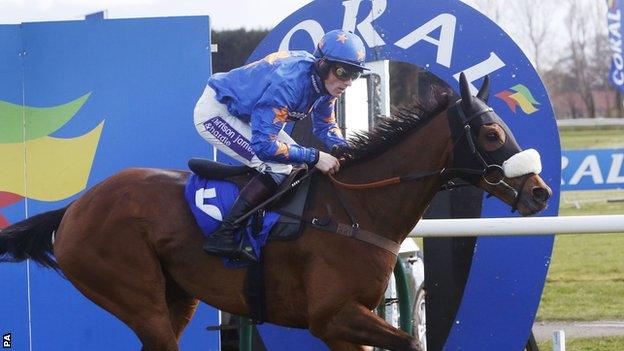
525, 162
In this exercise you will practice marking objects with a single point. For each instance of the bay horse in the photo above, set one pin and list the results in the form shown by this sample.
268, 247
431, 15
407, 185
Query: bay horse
131, 245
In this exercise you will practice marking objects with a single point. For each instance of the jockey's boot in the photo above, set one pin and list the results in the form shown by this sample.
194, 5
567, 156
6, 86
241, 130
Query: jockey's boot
222, 241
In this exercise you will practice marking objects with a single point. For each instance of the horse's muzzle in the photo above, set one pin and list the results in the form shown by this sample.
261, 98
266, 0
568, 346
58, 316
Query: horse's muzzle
534, 196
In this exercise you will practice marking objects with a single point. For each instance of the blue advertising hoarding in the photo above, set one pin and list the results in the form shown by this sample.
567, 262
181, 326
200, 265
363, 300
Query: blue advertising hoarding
592, 169
446, 38
13, 300
81, 100
614, 22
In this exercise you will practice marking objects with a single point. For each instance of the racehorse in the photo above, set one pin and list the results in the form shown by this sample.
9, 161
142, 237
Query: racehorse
131, 244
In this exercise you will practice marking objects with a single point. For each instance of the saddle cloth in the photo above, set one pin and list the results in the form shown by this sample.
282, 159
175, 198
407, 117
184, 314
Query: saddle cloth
211, 199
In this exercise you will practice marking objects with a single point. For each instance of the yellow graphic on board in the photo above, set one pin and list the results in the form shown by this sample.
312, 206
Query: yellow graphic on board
37, 166
48, 169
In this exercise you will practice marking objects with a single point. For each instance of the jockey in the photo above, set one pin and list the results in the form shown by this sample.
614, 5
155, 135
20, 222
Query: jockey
242, 113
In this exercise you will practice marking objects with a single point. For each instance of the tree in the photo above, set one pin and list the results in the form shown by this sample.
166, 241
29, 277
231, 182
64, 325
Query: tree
587, 51
234, 47
601, 63
491, 8
536, 24
529, 22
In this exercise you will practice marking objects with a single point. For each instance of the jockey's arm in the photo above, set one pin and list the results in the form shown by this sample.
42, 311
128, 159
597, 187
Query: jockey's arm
264, 131
324, 124
267, 119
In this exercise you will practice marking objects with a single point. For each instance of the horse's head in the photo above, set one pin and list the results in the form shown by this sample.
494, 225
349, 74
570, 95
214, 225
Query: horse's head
487, 155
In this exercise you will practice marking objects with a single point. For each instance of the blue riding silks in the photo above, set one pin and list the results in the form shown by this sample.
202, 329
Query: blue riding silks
210, 200
282, 87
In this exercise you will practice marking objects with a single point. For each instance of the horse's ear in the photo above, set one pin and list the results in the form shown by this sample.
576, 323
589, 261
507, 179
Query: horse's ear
484, 92
464, 89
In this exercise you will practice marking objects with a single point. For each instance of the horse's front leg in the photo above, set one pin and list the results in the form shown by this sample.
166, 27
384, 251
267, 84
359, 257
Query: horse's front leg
353, 323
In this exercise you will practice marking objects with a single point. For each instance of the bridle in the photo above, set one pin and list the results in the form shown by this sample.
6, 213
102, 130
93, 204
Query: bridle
353, 229
486, 168
449, 174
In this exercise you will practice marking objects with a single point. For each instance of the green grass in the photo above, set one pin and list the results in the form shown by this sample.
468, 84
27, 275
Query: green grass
587, 202
591, 139
582, 301
592, 344
586, 275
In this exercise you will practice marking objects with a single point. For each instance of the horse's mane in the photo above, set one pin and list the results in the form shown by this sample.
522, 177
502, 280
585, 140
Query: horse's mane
403, 120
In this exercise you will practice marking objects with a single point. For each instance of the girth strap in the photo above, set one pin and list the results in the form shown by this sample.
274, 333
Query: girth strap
351, 231
361, 235
255, 293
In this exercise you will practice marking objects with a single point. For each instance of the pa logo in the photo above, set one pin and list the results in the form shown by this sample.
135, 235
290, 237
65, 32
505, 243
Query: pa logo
6, 341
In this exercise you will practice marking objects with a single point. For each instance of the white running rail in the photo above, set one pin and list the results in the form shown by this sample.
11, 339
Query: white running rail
518, 226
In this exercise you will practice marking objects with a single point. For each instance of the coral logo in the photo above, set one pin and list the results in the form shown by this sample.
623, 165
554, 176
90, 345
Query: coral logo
519, 96
36, 165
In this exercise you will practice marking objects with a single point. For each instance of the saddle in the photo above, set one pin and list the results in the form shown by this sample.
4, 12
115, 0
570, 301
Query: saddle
287, 220
290, 205
218, 170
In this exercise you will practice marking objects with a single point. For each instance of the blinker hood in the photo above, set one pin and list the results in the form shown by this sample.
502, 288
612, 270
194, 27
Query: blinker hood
480, 114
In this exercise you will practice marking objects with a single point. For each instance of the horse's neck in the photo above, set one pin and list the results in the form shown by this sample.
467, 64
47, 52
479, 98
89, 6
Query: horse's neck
394, 210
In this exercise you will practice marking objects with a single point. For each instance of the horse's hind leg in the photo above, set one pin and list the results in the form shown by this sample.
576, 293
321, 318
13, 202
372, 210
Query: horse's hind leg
121, 273
181, 306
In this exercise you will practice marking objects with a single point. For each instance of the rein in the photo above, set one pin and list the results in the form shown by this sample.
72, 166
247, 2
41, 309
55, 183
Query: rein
384, 182
448, 174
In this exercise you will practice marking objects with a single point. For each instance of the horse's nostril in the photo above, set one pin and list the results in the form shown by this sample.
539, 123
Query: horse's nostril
540, 194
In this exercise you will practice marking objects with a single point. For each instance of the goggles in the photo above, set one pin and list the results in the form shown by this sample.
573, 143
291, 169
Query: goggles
345, 74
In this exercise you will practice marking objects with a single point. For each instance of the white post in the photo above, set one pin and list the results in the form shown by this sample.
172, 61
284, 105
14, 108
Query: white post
392, 310
383, 69
559, 340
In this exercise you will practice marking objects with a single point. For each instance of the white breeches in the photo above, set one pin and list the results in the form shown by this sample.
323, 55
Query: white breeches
232, 136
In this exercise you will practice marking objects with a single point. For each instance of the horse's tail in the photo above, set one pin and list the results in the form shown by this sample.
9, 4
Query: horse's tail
31, 238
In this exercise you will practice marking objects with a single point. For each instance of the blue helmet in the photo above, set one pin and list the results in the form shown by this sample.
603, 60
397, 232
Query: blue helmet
342, 46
